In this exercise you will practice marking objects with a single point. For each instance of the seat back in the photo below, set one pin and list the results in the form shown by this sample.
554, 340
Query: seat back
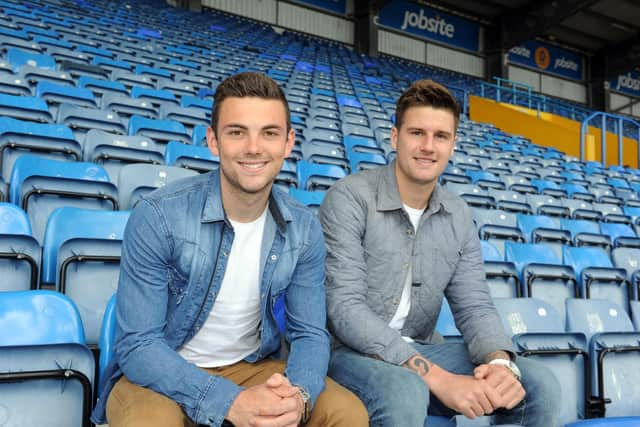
107, 339
82, 250
43, 359
138, 179
199, 159
19, 251
40, 185
313, 176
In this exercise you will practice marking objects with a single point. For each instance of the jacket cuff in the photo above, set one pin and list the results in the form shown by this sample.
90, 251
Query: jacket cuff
398, 351
215, 401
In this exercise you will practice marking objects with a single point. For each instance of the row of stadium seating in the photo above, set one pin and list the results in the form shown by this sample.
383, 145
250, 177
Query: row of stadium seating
101, 101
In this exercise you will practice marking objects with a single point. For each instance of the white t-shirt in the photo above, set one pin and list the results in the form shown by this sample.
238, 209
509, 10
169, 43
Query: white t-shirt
397, 322
231, 331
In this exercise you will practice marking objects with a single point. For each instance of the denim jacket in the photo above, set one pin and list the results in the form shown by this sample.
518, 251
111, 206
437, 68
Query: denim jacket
174, 256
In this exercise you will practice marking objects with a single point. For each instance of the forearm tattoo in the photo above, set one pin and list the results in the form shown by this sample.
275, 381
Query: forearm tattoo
418, 364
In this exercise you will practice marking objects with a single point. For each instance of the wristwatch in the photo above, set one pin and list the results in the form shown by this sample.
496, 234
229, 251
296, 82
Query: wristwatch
509, 365
306, 412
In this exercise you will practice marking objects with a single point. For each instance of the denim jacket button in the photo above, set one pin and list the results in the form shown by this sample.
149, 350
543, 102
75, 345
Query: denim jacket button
274, 257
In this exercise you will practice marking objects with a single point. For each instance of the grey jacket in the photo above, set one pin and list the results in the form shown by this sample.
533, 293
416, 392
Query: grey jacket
371, 245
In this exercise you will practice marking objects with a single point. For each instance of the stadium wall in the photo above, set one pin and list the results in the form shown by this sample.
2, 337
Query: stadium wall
551, 130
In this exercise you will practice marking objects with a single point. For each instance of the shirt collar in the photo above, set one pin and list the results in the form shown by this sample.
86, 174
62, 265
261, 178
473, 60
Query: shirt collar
389, 195
213, 210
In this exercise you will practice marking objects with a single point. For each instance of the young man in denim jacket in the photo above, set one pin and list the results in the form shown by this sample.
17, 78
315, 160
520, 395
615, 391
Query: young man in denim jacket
214, 269
396, 244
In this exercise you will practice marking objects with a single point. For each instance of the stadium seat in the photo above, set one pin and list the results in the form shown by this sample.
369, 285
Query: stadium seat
81, 120
585, 233
14, 86
472, 194
189, 117
537, 330
362, 161
511, 201
191, 157
136, 180
43, 359
314, 176
162, 131
597, 276
18, 57
542, 229
101, 87
112, 151
199, 135
195, 102
40, 185
19, 251
622, 235
311, 199
613, 350
81, 256
49, 140
55, 94
155, 96
542, 274
27, 108
611, 213
581, 209
497, 226
126, 107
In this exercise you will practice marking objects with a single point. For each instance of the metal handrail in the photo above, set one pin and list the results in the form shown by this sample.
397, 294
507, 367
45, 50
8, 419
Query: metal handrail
619, 122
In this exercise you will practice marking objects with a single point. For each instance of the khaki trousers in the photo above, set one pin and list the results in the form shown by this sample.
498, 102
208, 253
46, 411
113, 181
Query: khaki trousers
130, 405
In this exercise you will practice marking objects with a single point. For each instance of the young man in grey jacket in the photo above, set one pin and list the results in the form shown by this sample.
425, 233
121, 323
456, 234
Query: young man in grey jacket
397, 243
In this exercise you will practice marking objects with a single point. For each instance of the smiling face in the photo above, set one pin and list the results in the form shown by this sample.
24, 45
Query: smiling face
424, 144
252, 142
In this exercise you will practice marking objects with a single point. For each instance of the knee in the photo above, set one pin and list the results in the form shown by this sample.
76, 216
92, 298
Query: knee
404, 400
337, 406
540, 384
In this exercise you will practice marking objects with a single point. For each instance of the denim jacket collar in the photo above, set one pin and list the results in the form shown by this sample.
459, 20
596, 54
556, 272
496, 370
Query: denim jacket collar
213, 210
389, 195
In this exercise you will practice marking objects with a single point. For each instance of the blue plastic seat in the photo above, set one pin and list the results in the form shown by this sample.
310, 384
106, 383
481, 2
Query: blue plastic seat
314, 176
35, 75
11, 84
126, 107
519, 183
19, 251
131, 80
81, 255
538, 332
622, 235
48, 140
28, 108
99, 87
138, 179
40, 185
613, 350
547, 205
611, 213
472, 194
360, 144
542, 273
585, 233
543, 229
112, 64
497, 226
43, 359
196, 102
321, 152
81, 120
151, 71
486, 180
629, 259
511, 201
199, 135
189, 117
154, 96
581, 209
312, 199
191, 157
55, 94
363, 161
597, 276
18, 57
113, 151
161, 131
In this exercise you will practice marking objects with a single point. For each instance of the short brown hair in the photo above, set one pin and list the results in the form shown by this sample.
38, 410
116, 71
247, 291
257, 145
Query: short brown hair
247, 84
427, 93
